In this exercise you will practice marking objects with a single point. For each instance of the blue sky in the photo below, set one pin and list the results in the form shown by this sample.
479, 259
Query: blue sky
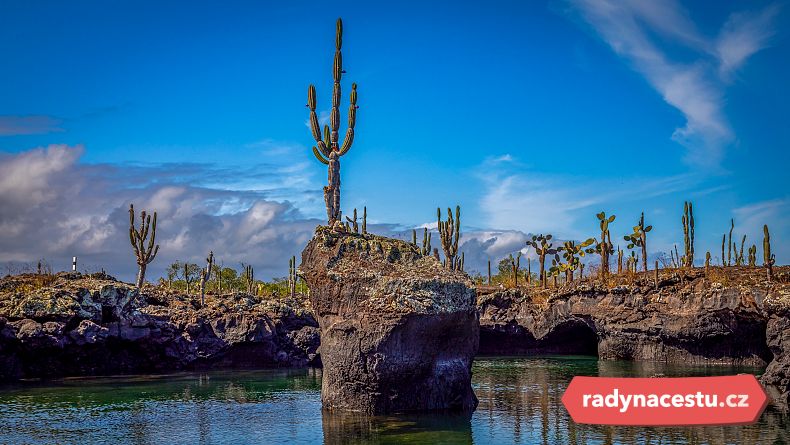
533, 116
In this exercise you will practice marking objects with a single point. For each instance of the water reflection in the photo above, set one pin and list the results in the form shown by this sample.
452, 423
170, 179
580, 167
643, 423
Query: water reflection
442, 428
519, 403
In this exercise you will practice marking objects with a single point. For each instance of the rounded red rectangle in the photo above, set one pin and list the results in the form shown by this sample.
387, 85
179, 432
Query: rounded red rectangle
720, 400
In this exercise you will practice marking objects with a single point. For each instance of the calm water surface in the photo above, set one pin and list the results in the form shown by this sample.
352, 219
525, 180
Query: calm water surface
519, 403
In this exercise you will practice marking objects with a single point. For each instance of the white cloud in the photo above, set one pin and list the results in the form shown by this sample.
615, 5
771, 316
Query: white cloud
52, 206
632, 29
744, 34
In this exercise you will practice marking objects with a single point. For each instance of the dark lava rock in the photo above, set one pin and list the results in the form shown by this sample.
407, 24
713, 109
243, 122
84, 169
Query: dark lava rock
398, 331
79, 325
690, 318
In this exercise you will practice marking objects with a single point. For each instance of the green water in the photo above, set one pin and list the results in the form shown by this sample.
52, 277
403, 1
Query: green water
519, 403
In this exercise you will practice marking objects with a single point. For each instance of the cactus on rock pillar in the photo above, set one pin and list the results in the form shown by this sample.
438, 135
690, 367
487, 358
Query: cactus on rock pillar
328, 149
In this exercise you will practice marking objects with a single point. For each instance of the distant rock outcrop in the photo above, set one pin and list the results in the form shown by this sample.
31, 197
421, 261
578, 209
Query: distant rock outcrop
686, 318
78, 325
398, 331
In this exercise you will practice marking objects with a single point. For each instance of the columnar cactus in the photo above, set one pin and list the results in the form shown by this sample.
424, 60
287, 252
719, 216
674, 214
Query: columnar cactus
144, 253
204, 277
328, 149
542, 248
516, 266
353, 222
449, 232
414, 237
769, 259
364, 220
249, 278
639, 238
739, 258
489, 272
426, 242
723, 240
619, 260
292, 276
729, 243
753, 256
688, 235
707, 262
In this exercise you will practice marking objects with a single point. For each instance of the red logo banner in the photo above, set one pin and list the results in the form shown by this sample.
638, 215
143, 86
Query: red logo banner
737, 399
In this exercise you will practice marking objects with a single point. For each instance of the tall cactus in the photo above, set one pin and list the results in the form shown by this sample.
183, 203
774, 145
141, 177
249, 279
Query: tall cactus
353, 222
604, 246
572, 253
768, 258
364, 220
688, 234
729, 242
144, 253
328, 149
753, 256
426, 242
292, 277
205, 274
639, 238
449, 231
249, 278
542, 248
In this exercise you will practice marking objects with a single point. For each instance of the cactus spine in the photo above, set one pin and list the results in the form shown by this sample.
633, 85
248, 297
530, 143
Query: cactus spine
144, 253
328, 149
449, 232
205, 274
768, 258
688, 234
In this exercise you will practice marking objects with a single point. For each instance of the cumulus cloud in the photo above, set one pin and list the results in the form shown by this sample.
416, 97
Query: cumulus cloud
634, 29
53, 207
33, 124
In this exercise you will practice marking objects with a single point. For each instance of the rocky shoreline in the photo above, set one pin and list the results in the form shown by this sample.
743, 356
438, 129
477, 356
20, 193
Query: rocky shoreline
93, 325
684, 316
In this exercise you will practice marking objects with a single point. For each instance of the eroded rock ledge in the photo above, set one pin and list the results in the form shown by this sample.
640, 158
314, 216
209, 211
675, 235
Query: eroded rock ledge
730, 317
77, 325
398, 331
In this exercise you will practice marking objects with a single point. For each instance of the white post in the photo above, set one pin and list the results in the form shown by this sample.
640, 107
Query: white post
73, 264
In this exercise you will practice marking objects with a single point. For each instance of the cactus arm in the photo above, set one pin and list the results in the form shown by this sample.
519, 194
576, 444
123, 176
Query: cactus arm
320, 157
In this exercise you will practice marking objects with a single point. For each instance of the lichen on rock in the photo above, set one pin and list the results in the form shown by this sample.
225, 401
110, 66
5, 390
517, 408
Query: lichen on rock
398, 330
